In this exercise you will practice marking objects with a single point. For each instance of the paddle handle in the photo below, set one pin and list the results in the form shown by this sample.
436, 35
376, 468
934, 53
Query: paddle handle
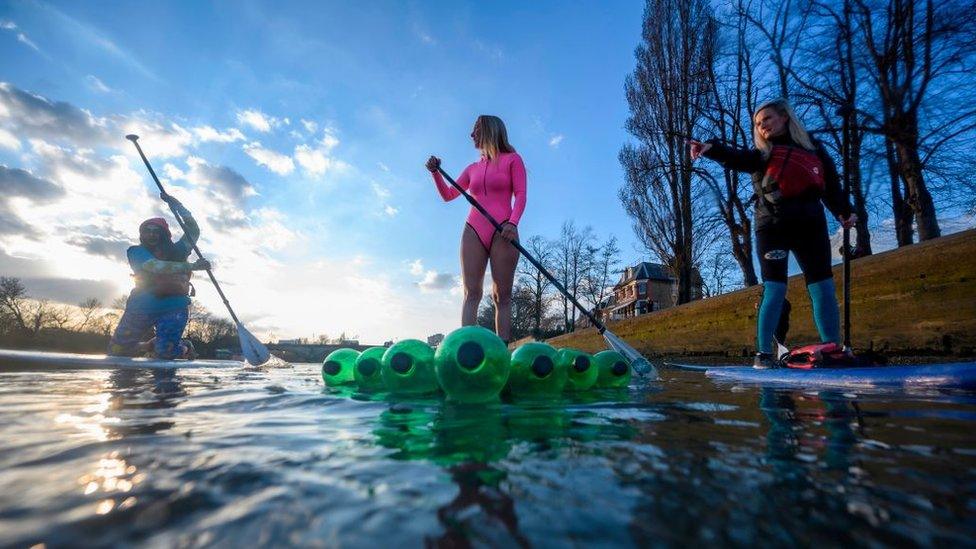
179, 219
600, 326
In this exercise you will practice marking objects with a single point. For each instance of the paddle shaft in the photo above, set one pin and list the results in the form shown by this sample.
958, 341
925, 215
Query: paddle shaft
848, 114
600, 326
183, 226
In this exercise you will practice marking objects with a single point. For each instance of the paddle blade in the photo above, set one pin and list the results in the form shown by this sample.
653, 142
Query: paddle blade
253, 350
637, 361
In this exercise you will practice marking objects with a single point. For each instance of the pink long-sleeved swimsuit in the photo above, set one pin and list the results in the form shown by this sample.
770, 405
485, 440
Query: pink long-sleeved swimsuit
492, 183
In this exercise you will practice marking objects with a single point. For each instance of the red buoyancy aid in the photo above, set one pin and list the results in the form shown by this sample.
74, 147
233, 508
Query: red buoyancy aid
792, 171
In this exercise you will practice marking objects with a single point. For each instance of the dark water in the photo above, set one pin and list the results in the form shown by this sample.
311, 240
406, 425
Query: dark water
243, 458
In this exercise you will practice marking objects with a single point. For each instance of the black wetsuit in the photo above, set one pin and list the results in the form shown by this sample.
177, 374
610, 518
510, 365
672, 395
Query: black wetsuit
796, 224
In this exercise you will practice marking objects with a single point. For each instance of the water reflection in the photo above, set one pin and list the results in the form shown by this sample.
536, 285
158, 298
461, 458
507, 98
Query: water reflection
473, 444
789, 439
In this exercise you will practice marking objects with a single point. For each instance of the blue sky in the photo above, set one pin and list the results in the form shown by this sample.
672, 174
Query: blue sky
298, 133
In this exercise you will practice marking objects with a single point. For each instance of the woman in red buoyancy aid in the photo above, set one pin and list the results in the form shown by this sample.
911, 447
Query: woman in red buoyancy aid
793, 178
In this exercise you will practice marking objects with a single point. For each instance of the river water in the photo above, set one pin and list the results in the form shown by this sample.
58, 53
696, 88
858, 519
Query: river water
241, 457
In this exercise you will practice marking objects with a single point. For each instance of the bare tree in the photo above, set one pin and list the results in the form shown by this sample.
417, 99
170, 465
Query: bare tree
598, 281
783, 25
89, 311
523, 314
717, 272
667, 94
29, 315
537, 284
572, 261
732, 87
915, 52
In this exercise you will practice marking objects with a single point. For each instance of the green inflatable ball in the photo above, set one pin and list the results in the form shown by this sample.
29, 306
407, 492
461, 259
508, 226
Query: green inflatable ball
535, 371
613, 368
408, 368
472, 365
337, 368
368, 370
581, 372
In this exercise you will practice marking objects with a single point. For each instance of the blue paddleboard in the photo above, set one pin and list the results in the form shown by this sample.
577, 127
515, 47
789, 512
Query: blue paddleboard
937, 376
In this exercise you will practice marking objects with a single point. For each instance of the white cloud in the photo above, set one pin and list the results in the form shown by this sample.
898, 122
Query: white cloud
310, 126
424, 36
275, 273
555, 140
158, 138
172, 172
417, 267
316, 161
313, 161
21, 37
383, 167
431, 280
208, 133
434, 282
258, 120
278, 163
9, 140
390, 210
96, 84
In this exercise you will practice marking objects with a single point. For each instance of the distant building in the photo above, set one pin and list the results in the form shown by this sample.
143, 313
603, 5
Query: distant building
644, 288
435, 340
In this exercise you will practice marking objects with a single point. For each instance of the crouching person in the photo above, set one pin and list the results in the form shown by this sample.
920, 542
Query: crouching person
157, 309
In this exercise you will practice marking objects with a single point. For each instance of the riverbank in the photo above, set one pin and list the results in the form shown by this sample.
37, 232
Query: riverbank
917, 302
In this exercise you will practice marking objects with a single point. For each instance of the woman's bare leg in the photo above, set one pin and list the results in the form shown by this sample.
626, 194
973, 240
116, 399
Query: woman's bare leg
474, 260
504, 258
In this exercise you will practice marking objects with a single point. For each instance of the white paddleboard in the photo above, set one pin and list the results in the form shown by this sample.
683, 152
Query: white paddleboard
14, 360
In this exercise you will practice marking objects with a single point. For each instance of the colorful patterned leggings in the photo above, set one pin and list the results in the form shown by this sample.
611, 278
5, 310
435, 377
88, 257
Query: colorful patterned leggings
134, 328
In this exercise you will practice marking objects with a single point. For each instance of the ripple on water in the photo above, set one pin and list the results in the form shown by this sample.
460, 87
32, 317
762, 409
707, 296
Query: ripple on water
267, 456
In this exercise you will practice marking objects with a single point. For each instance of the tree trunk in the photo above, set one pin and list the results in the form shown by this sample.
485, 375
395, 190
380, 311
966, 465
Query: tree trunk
862, 246
919, 199
902, 213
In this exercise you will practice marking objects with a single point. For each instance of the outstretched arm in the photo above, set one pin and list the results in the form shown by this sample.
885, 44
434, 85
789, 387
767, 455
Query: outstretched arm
740, 160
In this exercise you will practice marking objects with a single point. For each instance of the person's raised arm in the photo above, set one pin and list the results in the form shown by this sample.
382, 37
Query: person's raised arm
446, 191
191, 228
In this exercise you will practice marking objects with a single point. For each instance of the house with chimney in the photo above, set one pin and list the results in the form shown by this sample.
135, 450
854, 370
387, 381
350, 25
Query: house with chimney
644, 288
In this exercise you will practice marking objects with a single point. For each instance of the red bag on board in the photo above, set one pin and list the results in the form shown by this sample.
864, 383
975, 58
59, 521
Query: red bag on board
819, 355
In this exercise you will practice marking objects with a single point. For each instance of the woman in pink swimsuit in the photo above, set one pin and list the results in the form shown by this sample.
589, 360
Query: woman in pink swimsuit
493, 181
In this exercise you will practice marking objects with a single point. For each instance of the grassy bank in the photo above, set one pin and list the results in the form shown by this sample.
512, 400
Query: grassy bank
914, 301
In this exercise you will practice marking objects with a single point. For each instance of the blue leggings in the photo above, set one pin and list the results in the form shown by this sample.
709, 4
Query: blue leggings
134, 328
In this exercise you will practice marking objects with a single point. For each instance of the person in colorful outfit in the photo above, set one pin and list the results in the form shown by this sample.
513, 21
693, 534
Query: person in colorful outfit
160, 301
794, 178
494, 181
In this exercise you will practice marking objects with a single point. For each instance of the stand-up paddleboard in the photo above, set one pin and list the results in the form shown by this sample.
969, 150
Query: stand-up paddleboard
934, 376
12, 361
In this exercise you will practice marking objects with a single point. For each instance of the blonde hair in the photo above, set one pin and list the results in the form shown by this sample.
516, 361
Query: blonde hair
793, 125
493, 137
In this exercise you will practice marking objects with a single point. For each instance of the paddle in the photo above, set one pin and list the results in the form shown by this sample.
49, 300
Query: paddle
637, 361
254, 351
847, 111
